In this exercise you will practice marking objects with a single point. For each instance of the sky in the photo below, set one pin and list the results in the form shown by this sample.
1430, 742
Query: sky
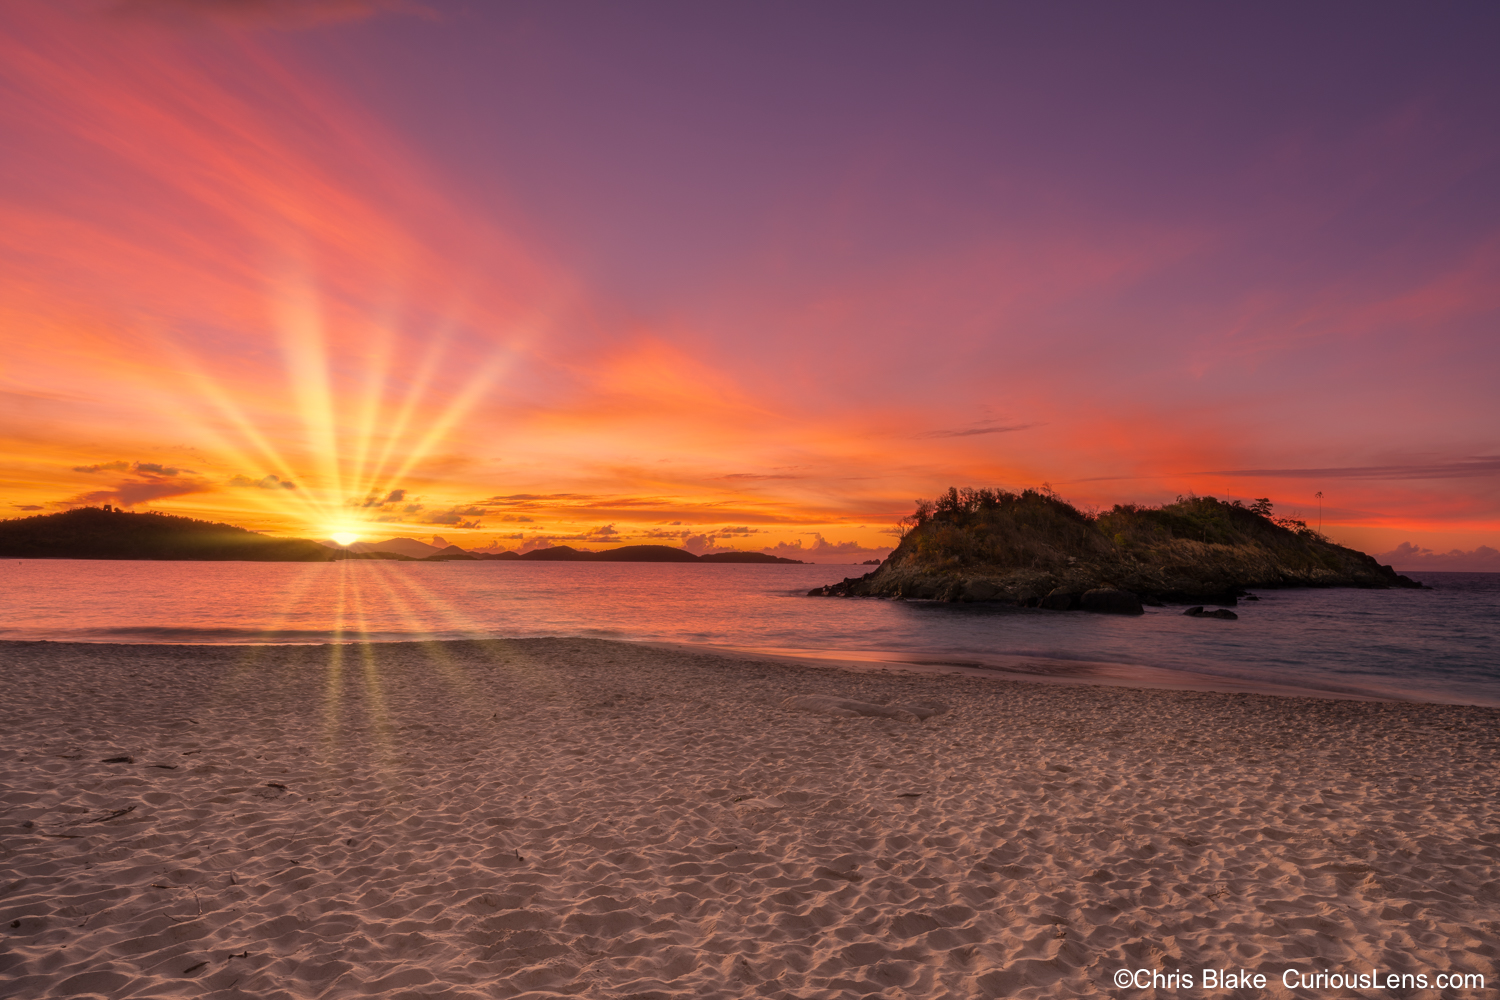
749, 276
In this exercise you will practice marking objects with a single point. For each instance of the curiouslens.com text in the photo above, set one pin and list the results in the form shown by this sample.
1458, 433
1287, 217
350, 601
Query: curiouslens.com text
1224, 980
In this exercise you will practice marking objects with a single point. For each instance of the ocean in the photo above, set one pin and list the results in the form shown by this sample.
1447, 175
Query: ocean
1440, 644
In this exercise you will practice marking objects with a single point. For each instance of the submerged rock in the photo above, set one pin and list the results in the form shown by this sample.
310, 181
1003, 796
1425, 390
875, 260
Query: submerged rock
1060, 599
980, 590
1111, 601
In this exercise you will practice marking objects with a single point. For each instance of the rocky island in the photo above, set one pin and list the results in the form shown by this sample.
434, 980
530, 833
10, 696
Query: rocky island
1034, 549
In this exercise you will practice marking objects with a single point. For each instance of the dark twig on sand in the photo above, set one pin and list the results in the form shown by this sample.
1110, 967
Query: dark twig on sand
112, 814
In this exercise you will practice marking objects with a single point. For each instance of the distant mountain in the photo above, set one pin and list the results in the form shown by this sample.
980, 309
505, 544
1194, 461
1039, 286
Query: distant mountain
401, 546
107, 533
558, 553
747, 557
645, 553
450, 553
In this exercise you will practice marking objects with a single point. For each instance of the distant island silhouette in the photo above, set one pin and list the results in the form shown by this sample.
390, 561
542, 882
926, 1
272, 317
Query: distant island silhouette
110, 533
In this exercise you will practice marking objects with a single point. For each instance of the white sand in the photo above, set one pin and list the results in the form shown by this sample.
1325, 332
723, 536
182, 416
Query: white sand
584, 818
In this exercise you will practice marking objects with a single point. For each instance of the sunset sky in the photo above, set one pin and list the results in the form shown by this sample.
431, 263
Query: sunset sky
748, 276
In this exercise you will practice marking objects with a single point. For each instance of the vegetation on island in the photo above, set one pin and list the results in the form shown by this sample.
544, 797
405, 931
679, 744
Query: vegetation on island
1026, 547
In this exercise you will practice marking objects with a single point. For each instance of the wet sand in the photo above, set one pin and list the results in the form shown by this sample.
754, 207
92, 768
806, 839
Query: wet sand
559, 817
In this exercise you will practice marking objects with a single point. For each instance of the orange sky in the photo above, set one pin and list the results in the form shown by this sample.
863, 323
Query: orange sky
240, 284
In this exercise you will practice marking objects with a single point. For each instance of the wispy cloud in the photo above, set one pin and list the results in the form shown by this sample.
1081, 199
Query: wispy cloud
132, 492
822, 550
1466, 468
284, 14
459, 517
264, 483
976, 430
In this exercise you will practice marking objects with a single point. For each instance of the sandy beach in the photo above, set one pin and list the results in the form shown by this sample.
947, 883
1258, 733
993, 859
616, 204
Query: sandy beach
587, 818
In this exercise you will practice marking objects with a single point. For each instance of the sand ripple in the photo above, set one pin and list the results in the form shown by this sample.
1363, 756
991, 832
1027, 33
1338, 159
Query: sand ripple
583, 818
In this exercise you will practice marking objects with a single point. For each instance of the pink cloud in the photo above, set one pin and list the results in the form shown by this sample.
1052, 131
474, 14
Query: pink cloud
1406, 556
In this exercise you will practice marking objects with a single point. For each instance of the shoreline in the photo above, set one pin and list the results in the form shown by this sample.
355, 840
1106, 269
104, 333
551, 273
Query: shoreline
543, 817
1057, 670
1003, 666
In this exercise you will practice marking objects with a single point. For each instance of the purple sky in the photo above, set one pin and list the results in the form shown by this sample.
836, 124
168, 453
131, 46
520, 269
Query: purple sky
1133, 250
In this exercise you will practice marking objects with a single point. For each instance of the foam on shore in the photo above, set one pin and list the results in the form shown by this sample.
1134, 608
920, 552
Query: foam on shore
573, 817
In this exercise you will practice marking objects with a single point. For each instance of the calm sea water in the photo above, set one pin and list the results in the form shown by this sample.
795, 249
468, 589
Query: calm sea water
1441, 644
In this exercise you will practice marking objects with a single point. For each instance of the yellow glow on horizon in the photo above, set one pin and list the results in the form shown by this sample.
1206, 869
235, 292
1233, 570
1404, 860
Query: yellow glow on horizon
345, 538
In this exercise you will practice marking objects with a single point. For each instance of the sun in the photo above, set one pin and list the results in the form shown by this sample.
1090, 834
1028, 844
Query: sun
345, 538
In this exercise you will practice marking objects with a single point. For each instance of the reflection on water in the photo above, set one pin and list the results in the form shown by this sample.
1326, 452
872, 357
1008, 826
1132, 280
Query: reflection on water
1441, 644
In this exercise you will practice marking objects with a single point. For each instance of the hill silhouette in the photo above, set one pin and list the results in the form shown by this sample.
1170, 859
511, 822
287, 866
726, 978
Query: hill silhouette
108, 533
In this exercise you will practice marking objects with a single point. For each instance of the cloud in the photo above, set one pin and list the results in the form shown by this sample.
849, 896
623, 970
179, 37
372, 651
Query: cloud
531, 500
823, 550
264, 483
760, 475
1465, 468
990, 428
1407, 556
282, 14
704, 542
27, 506
636, 509
518, 519
455, 516
152, 469
153, 481
387, 502
132, 492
